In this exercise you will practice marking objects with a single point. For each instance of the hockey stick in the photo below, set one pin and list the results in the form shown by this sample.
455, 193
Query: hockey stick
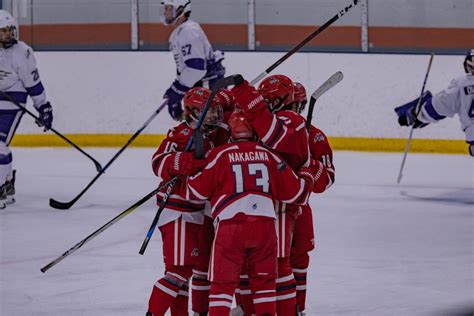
103, 228
227, 81
305, 41
328, 84
66, 205
417, 111
98, 166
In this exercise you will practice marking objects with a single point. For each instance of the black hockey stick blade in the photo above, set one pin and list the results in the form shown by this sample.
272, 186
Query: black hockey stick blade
66, 205
328, 84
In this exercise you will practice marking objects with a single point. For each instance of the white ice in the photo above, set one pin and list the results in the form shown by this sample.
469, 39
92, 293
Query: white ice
382, 248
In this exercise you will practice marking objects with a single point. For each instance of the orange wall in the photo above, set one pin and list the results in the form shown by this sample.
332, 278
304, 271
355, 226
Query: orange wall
267, 35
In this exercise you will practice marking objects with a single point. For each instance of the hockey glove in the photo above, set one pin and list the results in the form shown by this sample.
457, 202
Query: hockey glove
175, 94
307, 175
407, 112
185, 164
248, 98
45, 116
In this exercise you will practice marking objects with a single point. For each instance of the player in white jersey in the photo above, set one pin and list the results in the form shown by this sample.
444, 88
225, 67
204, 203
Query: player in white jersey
458, 98
19, 78
197, 64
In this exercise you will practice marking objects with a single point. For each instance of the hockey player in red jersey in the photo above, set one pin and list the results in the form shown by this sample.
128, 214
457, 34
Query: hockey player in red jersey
246, 178
303, 235
269, 111
181, 220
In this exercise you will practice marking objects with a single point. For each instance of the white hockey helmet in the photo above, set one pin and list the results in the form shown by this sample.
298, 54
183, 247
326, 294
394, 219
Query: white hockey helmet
8, 29
171, 10
469, 62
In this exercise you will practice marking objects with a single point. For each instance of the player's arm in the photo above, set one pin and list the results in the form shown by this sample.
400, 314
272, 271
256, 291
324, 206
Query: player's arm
29, 76
288, 187
170, 160
322, 159
272, 131
444, 103
200, 186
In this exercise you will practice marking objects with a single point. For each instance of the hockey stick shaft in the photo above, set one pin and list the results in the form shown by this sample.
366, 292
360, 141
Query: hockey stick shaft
417, 111
305, 41
66, 205
328, 84
102, 229
227, 81
98, 166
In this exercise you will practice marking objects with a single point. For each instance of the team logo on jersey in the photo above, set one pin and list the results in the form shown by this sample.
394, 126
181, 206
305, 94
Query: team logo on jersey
185, 132
254, 206
195, 253
4, 74
319, 137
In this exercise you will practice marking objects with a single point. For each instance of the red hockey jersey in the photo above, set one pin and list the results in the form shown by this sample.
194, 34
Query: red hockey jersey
245, 177
284, 132
321, 151
162, 165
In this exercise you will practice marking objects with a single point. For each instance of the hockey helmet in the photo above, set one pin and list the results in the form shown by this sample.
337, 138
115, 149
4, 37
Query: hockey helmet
300, 97
469, 62
240, 128
8, 29
194, 101
278, 91
171, 10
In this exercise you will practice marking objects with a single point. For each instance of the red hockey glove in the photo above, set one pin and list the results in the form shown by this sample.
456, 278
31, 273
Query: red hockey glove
248, 98
225, 97
307, 175
185, 164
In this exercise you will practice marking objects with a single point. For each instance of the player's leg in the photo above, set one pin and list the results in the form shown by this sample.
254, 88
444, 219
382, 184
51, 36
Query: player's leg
285, 282
179, 240
180, 304
227, 259
246, 297
9, 120
303, 243
262, 264
201, 286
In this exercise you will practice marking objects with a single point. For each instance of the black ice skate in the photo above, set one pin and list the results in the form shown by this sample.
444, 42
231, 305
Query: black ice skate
3, 196
10, 189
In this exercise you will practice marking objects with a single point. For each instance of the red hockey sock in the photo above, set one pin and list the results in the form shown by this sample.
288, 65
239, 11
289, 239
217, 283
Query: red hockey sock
285, 289
220, 299
180, 304
162, 297
201, 287
299, 264
246, 295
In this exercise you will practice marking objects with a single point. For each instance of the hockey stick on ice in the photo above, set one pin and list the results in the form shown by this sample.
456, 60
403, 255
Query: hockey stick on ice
328, 84
66, 205
103, 228
98, 166
305, 41
417, 111
224, 82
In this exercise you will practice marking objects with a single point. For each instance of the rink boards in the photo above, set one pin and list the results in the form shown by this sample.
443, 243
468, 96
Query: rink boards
102, 98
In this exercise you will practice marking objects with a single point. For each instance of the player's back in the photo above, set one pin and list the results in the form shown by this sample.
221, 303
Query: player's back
244, 177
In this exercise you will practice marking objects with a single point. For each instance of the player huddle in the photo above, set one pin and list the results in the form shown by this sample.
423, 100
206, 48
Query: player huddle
238, 221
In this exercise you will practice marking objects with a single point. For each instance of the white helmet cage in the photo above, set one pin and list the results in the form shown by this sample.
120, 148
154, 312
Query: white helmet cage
180, 8
469, 62
7, 22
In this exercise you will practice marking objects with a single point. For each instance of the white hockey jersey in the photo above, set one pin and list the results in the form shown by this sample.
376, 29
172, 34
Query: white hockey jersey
191, 50
458, 98
19, 76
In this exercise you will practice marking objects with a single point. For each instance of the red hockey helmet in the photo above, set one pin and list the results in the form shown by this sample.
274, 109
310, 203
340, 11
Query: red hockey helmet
194, 101
300, 97
278, 91
239, 127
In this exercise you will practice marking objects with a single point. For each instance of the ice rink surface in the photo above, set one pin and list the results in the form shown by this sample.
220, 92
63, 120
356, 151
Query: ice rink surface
382, 248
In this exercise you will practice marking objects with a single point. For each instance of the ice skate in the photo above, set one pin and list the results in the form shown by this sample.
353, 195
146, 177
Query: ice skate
10, 189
